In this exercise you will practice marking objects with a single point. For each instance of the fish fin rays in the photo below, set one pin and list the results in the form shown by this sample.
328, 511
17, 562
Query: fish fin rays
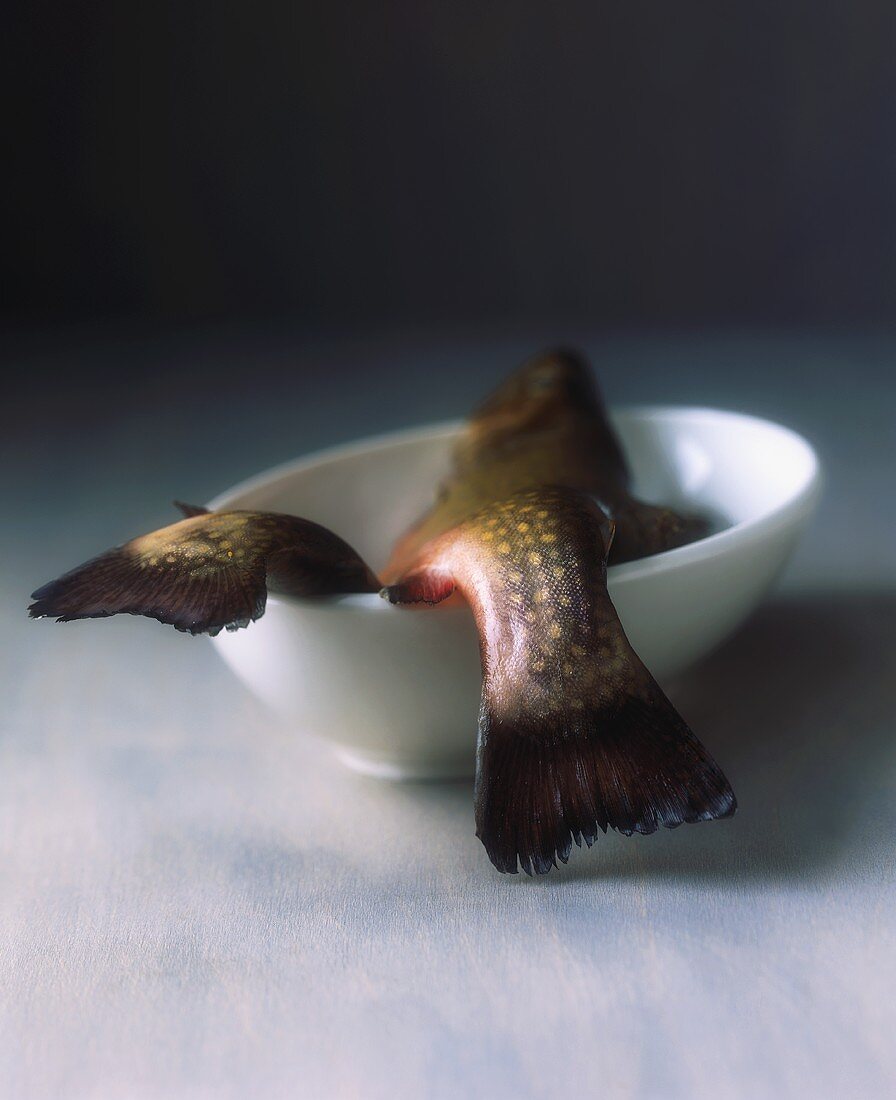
208, 573
633, 767
575, 735
117, 583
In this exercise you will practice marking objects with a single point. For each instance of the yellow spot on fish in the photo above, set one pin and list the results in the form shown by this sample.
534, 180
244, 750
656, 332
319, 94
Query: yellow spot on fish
577, 651
535, 558
503, 547
567, 668
230, 553
564, 601
542, 514
554, 630
487, 536
548, 536
171, 559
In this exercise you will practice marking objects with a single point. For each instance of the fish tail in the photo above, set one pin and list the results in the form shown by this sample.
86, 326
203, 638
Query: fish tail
208, 572
607, 758
644, 529
633, 769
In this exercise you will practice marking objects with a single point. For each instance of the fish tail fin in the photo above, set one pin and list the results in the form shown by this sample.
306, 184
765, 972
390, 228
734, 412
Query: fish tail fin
644, 529
190, 510
632, 765
208, 572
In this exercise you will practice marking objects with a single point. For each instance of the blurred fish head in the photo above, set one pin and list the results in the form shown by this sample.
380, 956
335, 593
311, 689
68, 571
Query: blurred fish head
542, 393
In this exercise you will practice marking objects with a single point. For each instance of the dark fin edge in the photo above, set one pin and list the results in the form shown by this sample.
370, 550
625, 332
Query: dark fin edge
190, 510
429, 588
634, 769
646, 529
114, 584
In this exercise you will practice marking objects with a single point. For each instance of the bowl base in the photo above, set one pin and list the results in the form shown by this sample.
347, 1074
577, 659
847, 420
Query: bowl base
408, 770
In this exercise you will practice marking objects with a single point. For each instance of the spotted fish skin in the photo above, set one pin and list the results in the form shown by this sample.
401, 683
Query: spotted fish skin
208, 572
530, 568
575, 735
546, 425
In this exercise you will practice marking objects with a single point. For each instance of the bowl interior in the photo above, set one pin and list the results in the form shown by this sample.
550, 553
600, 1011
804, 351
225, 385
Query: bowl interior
737, 469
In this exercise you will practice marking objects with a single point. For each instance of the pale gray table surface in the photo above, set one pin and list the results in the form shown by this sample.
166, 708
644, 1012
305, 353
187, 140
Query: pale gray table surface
196, 901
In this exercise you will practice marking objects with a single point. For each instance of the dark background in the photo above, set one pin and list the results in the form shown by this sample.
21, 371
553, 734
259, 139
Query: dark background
412, 163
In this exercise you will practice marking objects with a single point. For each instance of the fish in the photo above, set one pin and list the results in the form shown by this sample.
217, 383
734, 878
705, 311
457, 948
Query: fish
208, 572
547, 425
575, 736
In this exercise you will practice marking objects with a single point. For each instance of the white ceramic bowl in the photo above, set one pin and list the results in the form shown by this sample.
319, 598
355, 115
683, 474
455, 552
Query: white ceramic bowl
396, 691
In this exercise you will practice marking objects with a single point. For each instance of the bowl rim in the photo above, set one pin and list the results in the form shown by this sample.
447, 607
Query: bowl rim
801, 501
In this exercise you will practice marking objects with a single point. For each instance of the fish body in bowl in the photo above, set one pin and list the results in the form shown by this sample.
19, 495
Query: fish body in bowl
396, 692
537, 494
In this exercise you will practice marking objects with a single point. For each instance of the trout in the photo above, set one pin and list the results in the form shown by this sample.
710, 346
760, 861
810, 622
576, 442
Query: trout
547, 425
575, 735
